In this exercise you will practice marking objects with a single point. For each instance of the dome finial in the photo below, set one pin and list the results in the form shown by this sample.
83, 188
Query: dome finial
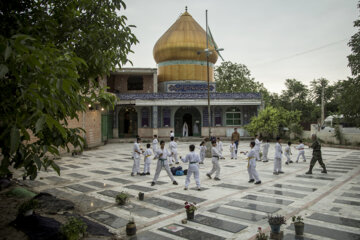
185, 8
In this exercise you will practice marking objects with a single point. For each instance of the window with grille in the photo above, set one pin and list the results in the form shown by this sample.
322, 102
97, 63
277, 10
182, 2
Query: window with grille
233, 116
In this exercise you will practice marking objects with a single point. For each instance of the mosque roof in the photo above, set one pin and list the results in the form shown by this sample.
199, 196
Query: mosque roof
184, 40
156, 96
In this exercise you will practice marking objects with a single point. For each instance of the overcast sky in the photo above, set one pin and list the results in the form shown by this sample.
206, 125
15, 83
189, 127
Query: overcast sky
275, 39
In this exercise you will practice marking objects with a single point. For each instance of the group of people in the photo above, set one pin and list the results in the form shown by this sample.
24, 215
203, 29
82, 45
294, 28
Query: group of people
168, 156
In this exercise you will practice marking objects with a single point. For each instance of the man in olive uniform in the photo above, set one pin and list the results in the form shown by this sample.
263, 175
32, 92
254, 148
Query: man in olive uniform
316, 146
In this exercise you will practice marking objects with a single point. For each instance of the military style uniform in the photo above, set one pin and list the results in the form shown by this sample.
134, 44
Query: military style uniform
316, 146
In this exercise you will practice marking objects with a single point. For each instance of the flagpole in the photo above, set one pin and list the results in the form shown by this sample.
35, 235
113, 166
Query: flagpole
208, 73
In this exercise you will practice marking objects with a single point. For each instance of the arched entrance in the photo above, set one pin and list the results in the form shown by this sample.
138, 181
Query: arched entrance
127, 122
191, 116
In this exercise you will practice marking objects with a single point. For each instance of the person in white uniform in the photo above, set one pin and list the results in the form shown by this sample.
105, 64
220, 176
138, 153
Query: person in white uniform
301, 148
173, 151
266, 150
251, 156
162, 154
185, 130
219, 146
288, 153
216, 155
278, 156
147, 160
233, 150
202, 152
172, 134
193, 159
257, 148
136, 155
155, 143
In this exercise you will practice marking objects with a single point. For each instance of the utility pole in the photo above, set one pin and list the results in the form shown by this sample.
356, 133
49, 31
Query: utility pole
322, 104
208, 74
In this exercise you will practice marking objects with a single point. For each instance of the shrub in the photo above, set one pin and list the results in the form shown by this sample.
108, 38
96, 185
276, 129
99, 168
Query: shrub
73, 229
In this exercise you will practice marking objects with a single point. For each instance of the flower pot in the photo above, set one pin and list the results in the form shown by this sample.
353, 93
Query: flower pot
130, 229
275, 228
190, 215
299, 229
141, 196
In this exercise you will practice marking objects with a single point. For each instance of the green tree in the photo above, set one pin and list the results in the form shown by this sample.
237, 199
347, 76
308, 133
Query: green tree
52, 52
330, 95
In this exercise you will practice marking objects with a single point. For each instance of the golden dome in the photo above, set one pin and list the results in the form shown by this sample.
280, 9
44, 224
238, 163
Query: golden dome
182, 41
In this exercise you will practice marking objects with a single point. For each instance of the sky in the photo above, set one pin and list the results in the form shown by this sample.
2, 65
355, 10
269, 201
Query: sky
275, 39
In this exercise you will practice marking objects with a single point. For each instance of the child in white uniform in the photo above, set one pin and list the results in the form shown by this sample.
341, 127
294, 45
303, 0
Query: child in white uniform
173, 150
288, 153
233, 150
301, 148
202, 152
193, 159
257, 148
266, 150
155, 144
147, 160
136, 154
219, 146
216, 155
278, 156
251, 156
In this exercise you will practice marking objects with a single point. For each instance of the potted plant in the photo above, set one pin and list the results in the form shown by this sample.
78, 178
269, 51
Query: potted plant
141, 196
275, 222
190, 210
73, 229
122, 198
131, 227
299, 225
261, 235
27, 208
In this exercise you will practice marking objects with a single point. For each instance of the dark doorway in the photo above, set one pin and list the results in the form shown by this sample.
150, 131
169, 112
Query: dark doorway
187, 118
192, 117
127, 122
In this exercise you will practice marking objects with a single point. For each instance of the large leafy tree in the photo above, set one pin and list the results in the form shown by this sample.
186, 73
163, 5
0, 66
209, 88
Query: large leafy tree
51, 54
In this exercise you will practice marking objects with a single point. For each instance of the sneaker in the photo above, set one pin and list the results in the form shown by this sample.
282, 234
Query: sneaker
152, 183
323, 171
275, 173
147, 173
138, 173
251, 180
185, 188
143, 174
281, 172
201, 162
232, 158
199, 189
177, 163
291, 161
132, 174
308, 172
208, 175
175, 183
287, 163
216, 179
265, 160
258, 182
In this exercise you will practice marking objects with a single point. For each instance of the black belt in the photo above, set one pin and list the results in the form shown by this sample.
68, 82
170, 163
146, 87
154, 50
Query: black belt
216, 156
193, 162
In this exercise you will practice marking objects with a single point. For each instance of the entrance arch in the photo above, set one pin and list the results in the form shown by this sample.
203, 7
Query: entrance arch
191, 116
127, 122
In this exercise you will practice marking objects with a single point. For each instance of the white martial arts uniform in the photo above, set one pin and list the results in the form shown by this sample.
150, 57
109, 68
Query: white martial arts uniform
173, 150
185, 130
202, 153
172, 134
233, 151
216, 155
155, 145
219, 146
253, 175
147, 160
162, 162
257, 149
301, 148
136, 154
265, 151
288, 153
193, 159
277, 158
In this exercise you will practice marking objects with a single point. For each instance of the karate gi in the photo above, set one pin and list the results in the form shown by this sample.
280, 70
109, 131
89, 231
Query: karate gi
193, 159
219, 146
257, 149
162, 162
277, 158
173, 151
253, 175
147, 160
288, 154
301, 148
265, 151
155, 145
202, 153
233, 151
172, 134
216, 155
136, 154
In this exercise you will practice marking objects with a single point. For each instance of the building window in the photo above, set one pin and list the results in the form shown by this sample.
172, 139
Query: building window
145, 117
166, 117
249, 112
135, 83
206, 117
218, 113
233, 116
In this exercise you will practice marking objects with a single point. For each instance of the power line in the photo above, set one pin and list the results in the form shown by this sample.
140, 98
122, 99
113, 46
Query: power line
303, 53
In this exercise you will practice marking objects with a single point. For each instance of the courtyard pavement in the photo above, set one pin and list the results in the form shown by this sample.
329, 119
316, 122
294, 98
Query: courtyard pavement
228, 209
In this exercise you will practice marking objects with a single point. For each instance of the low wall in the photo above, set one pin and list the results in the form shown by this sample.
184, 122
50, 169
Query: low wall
327, 135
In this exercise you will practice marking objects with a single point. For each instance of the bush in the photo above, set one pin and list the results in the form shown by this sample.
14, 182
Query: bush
28, 205
122, 198
73, 229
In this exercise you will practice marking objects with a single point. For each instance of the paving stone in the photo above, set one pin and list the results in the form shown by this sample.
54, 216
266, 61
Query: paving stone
147, 235
139, 210
332, 170
185, 197
202, 188
336, 167
116, 169
164, 203
294, 237
305, 189
100, 172
140, 188
218, 223
351, 195
80, 188
108, 219
119, 160
253, 206
283, 193
268, 199
342, 165
355, 189
316, 177
159, 182
353, 203
72, 166
98, 184
337, 220
237, 214
76, 175
237, 187
109, 193
328, 232
119, 180
33, 183
189, 233
335, 209
56, 179
300, 181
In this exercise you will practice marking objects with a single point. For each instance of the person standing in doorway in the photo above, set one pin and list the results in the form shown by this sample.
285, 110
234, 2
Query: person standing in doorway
185, 130
235, 136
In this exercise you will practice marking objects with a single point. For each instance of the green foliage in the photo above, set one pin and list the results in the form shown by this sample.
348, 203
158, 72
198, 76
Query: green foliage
73, 229
53, 54
297, 219
28, 205
354, 44
276, 220
122, 198
261, 235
